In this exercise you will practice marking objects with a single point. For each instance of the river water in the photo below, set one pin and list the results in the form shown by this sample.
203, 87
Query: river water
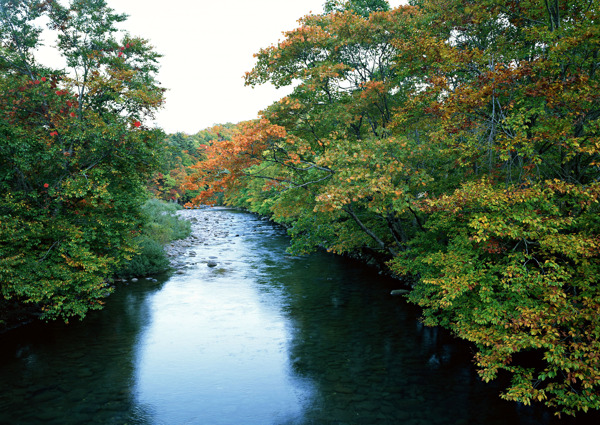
261, 338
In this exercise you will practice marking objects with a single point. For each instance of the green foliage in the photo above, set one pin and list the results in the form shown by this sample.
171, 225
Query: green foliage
460, 140
74, 154
160, 226
161, 223
149, 259
508, 271
360, 7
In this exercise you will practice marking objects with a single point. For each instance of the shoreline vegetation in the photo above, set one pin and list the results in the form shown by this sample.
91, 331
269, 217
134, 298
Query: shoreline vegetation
76, 152
162, 226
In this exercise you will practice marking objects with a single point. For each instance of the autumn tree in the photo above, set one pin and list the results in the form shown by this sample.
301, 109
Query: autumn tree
181, 151
74, 153
339, 121
459, 141
510, 257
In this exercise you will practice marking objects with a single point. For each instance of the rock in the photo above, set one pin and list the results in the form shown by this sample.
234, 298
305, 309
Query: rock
211, 264
400, 292
192, 253
134, 279
434, 361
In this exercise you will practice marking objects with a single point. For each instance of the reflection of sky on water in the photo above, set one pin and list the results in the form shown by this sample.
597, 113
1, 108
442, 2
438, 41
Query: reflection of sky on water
214, 351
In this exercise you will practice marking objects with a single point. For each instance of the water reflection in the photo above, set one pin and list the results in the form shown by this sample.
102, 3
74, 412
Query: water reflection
81, 373
367, 357
261, 338
215, 351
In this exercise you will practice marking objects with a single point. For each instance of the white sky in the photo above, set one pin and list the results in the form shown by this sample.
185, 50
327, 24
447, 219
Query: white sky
207, 46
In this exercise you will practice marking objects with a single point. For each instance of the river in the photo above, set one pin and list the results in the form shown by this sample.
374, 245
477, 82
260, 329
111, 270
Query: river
247, 334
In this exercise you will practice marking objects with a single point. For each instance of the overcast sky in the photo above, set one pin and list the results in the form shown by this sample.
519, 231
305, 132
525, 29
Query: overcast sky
207, 46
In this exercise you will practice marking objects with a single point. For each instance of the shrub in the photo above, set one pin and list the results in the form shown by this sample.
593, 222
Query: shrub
161, 226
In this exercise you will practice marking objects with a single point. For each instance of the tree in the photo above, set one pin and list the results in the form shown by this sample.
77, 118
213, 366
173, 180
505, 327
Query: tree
74, 154
180, 152
340, 117
459, 141
510, 256
360, 7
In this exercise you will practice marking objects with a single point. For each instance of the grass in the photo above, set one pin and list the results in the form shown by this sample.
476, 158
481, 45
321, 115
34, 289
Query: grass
161, 226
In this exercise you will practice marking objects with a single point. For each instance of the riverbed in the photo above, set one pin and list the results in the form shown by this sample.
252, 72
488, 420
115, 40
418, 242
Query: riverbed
244, 333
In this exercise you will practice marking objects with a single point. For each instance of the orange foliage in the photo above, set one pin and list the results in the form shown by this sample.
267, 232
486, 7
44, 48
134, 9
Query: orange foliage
227, 160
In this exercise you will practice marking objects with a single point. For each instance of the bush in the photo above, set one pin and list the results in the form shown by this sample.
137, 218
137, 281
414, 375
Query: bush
151, 259
161, 226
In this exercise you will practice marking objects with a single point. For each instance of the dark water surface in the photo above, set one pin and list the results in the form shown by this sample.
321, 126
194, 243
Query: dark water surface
263, 338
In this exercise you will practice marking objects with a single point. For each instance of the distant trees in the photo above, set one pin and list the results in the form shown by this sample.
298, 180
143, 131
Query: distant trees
179, 152
460, 140
74, 153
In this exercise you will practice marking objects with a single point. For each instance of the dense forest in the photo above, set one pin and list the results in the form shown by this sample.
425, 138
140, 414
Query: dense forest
456, 142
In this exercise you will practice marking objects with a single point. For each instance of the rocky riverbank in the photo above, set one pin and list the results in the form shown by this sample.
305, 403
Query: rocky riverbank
207, 229
212, 229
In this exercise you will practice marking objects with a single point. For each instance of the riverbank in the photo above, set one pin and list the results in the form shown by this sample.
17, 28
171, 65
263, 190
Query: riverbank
162, 231
205, 231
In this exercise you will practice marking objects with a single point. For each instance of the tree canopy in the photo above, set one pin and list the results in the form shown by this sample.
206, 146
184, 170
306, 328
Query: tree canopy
74, 153
459, 141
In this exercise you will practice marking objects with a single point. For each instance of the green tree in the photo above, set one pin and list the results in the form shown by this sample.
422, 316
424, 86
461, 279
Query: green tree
509, 259
338, 122
460, 140
360, 7
74, 154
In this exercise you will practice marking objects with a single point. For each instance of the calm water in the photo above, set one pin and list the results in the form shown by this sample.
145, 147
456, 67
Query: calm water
262, 338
